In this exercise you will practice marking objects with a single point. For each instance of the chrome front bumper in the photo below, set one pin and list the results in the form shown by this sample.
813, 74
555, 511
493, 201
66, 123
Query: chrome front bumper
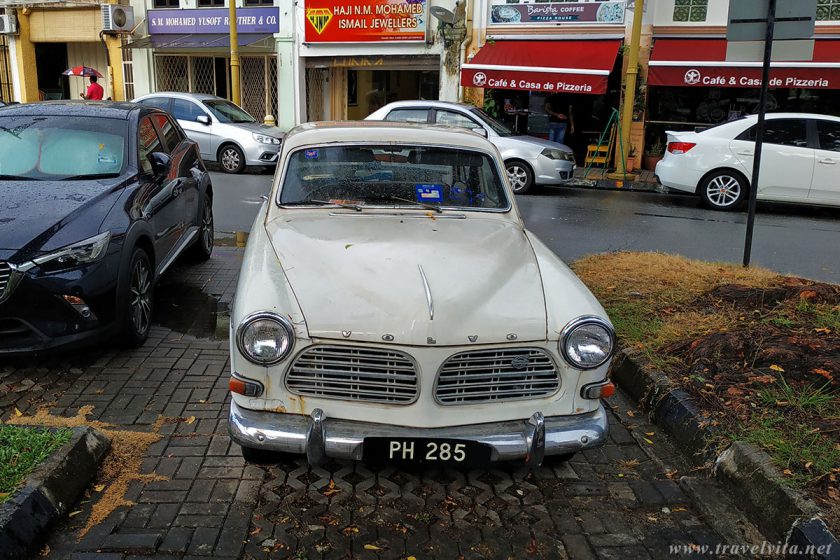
319, 437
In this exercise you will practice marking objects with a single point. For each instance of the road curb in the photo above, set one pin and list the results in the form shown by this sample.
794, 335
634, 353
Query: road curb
745, 471
50, 491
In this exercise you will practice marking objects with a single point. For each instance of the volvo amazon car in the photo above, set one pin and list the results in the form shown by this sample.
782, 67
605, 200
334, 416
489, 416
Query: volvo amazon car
97, 199
392, 307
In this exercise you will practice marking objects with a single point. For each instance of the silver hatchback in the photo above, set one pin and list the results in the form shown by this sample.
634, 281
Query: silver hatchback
224, 132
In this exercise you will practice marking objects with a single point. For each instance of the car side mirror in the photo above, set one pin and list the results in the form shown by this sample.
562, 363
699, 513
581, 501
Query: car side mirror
161, 163
203, 119
481, 131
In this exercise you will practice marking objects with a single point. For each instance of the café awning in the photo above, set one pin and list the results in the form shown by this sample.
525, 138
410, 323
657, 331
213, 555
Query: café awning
197, 41
569, 66
702, 63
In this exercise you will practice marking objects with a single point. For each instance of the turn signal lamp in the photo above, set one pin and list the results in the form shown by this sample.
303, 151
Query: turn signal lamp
602, 390
243, 387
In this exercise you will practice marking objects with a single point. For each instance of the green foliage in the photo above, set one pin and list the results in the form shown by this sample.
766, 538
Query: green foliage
22, 450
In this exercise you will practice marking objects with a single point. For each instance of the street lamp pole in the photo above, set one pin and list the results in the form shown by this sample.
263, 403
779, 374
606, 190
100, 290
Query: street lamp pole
236, 93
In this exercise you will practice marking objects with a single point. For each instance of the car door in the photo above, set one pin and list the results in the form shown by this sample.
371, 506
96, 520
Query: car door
787, 159
825, 187
409, 114
186, 113
161, 206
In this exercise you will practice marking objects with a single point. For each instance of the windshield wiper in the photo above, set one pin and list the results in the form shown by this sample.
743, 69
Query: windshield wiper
90, 176
312, 202
425, 205
17, 178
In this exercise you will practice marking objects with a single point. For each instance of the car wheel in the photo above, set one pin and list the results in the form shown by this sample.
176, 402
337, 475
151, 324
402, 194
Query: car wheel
203, 246
232, 159
520, 176
139, 299
261, 456
724, 190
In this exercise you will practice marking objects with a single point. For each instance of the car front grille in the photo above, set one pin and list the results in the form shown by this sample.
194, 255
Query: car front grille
354, 373
5, 277
496, 375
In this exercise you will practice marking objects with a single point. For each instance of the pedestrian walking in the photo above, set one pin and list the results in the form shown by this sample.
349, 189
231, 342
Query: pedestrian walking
559, 122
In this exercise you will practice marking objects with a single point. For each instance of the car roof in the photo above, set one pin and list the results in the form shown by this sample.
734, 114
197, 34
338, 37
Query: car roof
382, 132
795, 116
429, 103
80, 108
182, 95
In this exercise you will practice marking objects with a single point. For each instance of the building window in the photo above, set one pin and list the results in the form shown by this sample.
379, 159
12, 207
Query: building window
828, 10
266, 2
692, 10
211, 3
128, 70
167, 3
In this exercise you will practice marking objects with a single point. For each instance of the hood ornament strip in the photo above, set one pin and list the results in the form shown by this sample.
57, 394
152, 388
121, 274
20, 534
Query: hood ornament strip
429, 301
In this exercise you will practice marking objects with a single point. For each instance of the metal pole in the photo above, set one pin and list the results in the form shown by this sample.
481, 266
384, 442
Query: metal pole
235, 85
630, 79
759, 129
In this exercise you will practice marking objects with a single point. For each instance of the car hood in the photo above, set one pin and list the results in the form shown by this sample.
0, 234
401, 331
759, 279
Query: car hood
33, 213
531, 141
361, 277
260, 128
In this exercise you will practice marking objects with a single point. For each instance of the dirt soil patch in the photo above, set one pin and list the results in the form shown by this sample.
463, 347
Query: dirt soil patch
758, 351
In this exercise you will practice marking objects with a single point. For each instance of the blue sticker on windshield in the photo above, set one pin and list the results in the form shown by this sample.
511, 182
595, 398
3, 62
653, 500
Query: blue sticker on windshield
429, 193
311, 154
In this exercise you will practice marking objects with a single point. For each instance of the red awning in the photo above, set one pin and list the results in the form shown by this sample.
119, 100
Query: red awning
702, 63
551, 66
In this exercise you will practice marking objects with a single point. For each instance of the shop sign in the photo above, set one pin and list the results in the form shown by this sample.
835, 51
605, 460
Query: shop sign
504, 13
807, 78
213, 20
357, 61
550, 82
365, 21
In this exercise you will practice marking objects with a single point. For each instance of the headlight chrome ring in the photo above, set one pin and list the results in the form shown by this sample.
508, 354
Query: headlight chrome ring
284, 348
575, 324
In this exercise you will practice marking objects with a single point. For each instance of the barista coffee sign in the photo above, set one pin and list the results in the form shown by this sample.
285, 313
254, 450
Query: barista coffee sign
365, 21
503, 12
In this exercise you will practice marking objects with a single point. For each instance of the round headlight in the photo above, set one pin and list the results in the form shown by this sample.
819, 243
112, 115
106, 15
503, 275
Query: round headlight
265, 338
587, 342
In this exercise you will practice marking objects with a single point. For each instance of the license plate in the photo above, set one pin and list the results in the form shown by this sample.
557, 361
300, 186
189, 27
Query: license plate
429, 451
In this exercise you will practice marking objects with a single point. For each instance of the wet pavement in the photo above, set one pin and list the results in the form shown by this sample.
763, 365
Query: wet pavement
194, 496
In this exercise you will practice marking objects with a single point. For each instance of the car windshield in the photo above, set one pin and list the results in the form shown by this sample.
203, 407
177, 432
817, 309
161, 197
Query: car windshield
227, 112
498, 127
393, 175
61, 148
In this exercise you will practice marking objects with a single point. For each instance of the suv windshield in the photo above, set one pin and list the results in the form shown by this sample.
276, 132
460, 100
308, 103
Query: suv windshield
393, 175
227, 112
57, 147
498, 127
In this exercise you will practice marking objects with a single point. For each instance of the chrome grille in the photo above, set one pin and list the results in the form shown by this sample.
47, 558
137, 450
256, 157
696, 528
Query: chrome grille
496, 375
5, 276
354, 373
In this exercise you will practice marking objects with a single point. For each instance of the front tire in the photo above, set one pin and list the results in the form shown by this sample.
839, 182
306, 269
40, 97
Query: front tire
202, 248
520, 176
231, 159
139, 299
724, 190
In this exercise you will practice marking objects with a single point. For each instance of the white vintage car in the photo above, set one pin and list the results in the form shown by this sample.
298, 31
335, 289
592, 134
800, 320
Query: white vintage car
392, 307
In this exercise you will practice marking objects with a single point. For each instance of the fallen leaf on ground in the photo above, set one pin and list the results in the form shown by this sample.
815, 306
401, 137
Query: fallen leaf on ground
774, 367
808, 465
787, 472
823, 330
74, 513
99, 487
4, 495
734, 392
256, 531
45, 551
631, 414
332, 489
190, 420
18, 412
824, 373
650, 433
648, 441
372, 547
767, 379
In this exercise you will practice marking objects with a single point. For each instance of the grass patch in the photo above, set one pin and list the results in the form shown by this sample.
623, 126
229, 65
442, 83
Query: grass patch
806, 399
22, 450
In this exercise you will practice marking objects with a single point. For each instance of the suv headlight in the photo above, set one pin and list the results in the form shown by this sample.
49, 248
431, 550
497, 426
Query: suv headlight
562, 155
265, 338
84, 252
587, 342
264, 139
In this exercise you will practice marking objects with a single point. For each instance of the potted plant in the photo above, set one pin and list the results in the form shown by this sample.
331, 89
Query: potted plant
653, 154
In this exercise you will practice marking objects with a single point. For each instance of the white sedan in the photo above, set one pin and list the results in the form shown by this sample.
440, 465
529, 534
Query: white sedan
800, 161
392, 307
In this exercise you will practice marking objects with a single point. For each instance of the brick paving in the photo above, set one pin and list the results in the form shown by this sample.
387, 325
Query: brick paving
620, 501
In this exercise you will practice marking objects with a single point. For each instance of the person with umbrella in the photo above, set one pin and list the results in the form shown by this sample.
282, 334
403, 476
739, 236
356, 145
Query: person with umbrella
94, 90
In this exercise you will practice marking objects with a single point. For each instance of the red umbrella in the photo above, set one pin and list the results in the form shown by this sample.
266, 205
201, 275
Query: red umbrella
82, 71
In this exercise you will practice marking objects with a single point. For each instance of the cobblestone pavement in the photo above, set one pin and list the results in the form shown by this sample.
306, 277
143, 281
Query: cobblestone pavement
620, 501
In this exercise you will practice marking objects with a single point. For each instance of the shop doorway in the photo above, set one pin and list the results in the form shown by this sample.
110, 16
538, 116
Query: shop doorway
5, 70
50, 62
368, 90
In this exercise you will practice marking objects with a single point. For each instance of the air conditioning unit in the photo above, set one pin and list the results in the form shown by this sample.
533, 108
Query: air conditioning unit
8, 25
117, 18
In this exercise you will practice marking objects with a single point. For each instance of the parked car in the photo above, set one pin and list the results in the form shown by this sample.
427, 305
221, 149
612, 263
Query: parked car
800, 161
97, 200
391, 306
528, 160
225, 133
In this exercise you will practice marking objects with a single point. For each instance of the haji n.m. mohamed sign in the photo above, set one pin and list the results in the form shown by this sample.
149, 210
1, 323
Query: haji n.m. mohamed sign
365, 21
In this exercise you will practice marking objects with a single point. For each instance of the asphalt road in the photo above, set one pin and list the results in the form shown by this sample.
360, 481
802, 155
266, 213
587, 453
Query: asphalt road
575, 222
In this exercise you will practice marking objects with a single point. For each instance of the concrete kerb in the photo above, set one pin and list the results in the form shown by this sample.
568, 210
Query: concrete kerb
50, 491
746, 471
